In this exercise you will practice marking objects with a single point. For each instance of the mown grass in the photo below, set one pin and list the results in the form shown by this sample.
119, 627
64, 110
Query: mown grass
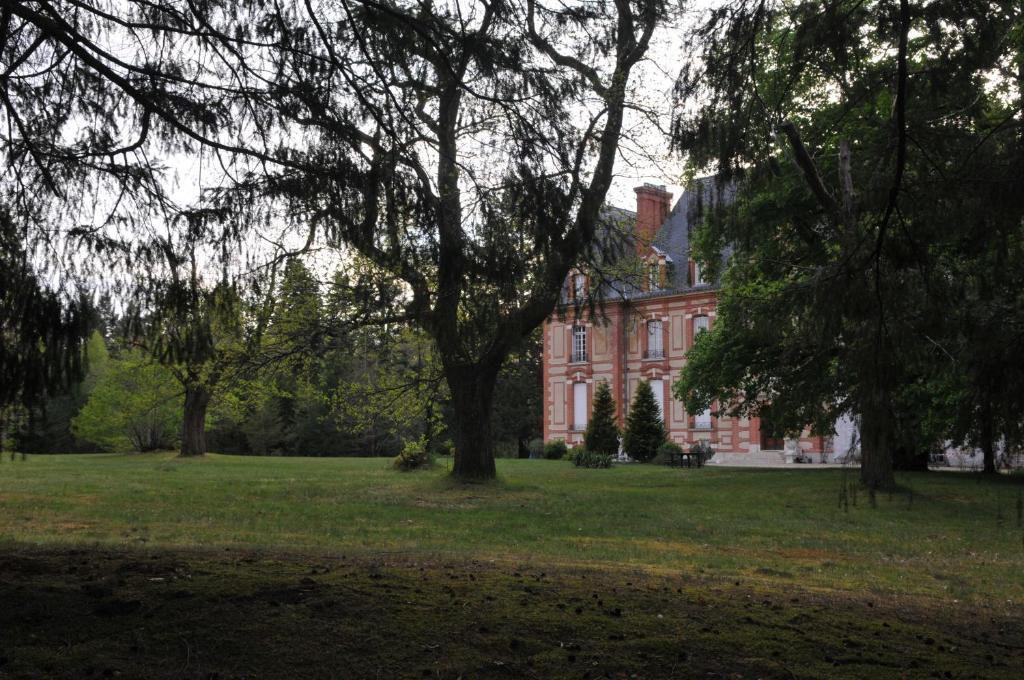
946, 536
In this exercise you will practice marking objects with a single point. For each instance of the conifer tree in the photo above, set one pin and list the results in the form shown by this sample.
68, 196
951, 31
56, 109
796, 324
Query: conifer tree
602, 435
465, 150
645, 430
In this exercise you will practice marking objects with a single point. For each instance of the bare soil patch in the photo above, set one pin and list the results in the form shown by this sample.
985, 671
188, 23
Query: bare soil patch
147, 613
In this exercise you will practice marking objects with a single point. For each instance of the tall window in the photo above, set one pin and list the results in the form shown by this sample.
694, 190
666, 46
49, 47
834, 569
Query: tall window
579, 343
655, 340
702, 421
658, 387
653, 276
700, 324
579, 406
579, 286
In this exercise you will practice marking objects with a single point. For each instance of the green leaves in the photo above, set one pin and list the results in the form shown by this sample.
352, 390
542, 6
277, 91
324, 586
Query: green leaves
136, 405
858, 279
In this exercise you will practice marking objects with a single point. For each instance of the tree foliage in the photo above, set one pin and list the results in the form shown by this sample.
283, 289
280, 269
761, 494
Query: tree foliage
876, 149
602, 435
47, 426
199, 332
135, 406
464, 150
645, 430
319, 382
42, 333
518, 397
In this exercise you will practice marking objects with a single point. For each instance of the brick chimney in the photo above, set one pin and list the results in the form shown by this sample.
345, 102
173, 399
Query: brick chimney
652, 206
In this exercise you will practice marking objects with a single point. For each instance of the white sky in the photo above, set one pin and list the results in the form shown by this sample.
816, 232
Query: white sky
656, 77
644, 154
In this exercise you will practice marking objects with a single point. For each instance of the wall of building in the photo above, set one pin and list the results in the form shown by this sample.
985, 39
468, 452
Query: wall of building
616, 350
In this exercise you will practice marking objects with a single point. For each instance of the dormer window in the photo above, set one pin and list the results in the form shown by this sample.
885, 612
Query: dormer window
579, 286
698, 274
654, 276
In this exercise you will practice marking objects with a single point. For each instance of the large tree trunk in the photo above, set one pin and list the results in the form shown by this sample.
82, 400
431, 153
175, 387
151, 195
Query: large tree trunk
876, 442
193, 429
472, 389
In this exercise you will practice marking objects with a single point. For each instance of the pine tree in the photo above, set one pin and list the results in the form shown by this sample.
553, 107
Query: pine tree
478, 236
602, 435
645, 431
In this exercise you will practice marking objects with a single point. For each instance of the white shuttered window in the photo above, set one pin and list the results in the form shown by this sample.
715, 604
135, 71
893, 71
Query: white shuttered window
579, 406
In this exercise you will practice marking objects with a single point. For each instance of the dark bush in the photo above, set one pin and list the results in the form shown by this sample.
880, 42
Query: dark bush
555, 449
536, 447
665, 453
572, 451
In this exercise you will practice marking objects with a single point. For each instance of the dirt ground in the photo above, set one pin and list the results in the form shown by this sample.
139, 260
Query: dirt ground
101, 613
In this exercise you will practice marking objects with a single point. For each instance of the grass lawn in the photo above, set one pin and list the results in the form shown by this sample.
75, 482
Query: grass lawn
265, 567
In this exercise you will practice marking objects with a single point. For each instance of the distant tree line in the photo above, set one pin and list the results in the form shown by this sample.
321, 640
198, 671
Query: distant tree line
302, 389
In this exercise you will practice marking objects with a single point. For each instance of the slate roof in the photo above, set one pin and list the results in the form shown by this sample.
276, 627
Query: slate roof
673, 238
674, 235
616, 238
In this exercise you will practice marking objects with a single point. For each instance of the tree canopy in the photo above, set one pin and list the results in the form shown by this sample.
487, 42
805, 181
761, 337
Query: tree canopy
42, 332
462, 149
876, 150
134, 406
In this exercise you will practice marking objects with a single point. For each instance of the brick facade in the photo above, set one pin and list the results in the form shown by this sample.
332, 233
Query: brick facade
621, 351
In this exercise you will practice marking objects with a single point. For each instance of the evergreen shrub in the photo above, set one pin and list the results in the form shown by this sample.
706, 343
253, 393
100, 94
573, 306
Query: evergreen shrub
555, 449
645, 431
602, 435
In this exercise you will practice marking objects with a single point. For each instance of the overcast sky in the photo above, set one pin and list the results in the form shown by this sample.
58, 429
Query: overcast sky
646, 158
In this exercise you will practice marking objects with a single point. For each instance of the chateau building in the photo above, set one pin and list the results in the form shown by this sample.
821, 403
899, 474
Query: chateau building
648, 327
